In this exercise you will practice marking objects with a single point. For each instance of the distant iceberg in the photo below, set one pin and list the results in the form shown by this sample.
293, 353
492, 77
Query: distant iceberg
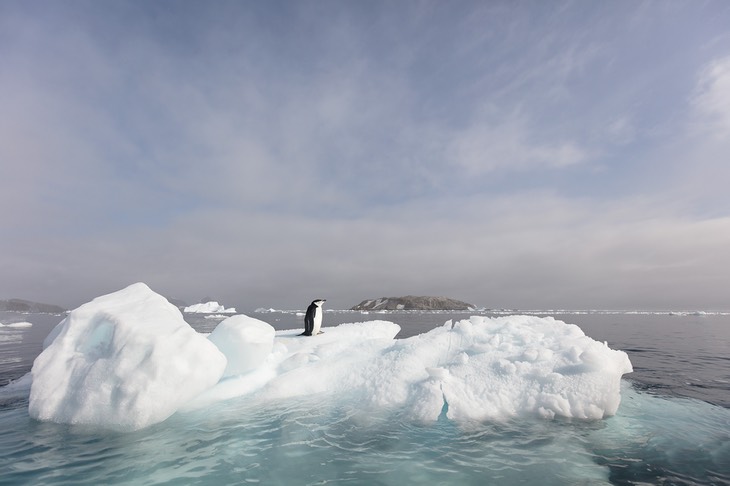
128, 360
264, 310
17, 324
212, 307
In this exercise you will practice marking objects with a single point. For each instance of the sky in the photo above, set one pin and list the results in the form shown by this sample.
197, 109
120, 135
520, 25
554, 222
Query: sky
517, 154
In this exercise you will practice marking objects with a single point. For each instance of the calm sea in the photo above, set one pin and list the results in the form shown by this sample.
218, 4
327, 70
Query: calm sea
673, 426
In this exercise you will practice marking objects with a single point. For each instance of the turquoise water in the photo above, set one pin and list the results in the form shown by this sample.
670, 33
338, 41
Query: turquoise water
653, 440
657, 437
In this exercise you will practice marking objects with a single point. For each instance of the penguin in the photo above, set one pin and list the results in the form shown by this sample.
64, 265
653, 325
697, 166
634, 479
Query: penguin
313, 318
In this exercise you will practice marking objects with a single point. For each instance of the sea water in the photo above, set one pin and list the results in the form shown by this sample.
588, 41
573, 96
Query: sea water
673, 425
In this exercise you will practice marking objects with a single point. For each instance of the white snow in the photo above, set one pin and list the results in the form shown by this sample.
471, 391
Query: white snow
128, 360
211, 307
246, 342
482, 368
124, 360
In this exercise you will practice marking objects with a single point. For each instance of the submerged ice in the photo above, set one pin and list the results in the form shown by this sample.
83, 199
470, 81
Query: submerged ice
128, 360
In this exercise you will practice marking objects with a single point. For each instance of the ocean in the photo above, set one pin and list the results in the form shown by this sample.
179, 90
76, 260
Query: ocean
672, 427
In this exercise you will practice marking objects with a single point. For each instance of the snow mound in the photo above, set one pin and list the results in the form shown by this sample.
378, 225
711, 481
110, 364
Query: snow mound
246, 342
128, 359
212, 307
124, 361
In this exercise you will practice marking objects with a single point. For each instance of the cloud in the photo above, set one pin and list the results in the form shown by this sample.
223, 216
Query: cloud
694, 157
531, 249
450, 152
711, 101
505, 145
621, 131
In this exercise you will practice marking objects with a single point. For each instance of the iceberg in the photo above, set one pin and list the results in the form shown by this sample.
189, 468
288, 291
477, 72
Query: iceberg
477, 369
123, 361
211, 307
264, 310
17, 325
128, 360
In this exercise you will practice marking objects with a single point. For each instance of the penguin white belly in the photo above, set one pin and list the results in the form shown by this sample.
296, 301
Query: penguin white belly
317, 322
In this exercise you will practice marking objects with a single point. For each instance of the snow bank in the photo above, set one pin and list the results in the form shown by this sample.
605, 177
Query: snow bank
246, 342
208, 308
125, 360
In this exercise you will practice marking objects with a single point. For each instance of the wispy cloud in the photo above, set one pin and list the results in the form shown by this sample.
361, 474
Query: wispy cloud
711, 100
505, 144
511, 155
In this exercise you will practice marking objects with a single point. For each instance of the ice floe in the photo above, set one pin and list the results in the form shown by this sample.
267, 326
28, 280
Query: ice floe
17, 325
128, 359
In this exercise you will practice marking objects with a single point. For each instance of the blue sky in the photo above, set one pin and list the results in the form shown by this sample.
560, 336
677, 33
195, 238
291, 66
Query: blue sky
510, 154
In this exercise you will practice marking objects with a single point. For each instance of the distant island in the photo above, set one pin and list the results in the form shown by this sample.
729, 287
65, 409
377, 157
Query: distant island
411, 302
27, 306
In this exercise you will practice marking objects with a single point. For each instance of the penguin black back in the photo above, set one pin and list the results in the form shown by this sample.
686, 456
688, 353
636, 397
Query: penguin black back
309, 317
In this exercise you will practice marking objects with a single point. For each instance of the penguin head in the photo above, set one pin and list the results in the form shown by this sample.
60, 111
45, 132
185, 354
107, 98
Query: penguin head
319, 302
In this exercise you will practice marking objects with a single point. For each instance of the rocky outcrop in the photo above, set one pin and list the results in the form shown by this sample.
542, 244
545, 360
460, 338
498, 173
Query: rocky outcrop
411, 302
28, 307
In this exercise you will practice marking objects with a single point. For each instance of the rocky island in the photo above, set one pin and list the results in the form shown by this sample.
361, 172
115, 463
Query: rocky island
411, 302
28, 307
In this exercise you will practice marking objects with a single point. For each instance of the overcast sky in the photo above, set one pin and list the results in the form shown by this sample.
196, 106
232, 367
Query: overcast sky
510, 154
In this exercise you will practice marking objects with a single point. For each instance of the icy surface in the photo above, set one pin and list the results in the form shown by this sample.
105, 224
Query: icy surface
208, 308
480, 368
125, 360
246, 342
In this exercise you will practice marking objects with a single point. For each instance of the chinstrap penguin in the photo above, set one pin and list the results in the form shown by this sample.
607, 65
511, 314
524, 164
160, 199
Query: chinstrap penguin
313, 318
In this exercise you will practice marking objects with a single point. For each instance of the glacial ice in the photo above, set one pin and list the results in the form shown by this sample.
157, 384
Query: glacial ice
128, 360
